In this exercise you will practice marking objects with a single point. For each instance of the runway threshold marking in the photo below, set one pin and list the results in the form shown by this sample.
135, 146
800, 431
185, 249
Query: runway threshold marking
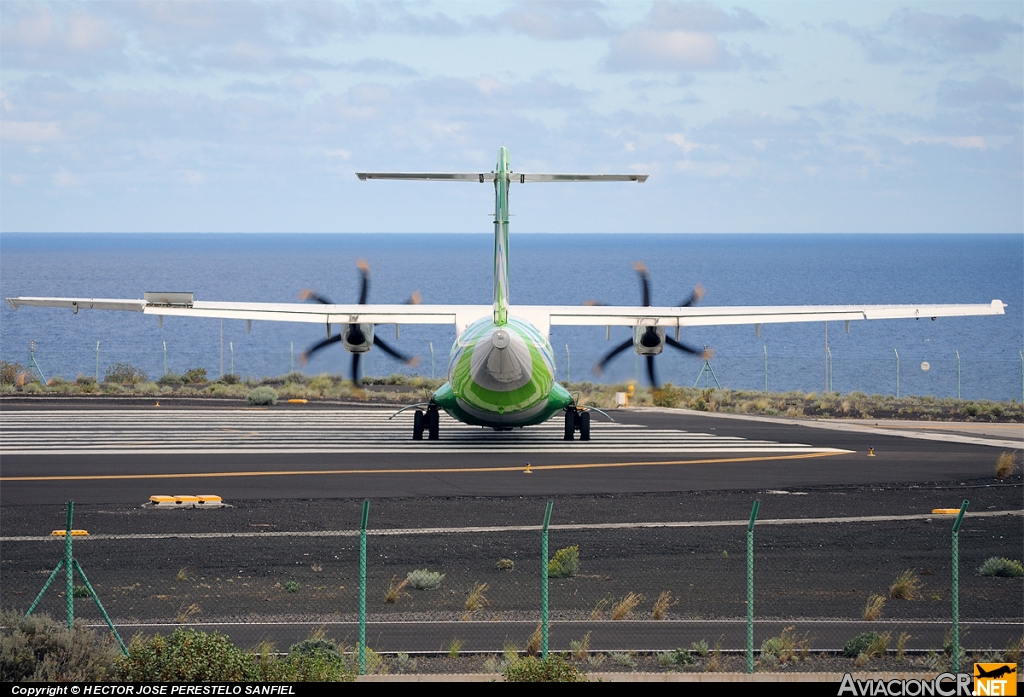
438, 470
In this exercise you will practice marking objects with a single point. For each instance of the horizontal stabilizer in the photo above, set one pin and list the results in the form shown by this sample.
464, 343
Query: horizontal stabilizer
520, 177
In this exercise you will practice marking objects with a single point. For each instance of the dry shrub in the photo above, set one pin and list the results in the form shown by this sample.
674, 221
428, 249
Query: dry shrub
1006, 464
476, 599
662, 604
396, 589
624, 608
906, 587
533, 644
873, 609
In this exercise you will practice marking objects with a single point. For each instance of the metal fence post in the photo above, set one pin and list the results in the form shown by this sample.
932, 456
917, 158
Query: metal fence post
750, 586
765, 367
958, 373
165, 357
69, 568
897, 373
291, 351
431, 360
97, 362
956, 587
362, 587
544, 582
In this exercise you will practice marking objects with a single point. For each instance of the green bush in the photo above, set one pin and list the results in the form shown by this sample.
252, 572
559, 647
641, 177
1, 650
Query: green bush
188, 656
859, 644
314, 660
551, 669
169, 379
424, 580
667, 396
262, 395
124, 374
996, 566
565, 563
39, 648
230, 379
194, 376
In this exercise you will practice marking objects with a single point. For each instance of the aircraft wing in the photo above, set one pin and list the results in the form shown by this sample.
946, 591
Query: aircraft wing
707, 316
541, 316
182, 305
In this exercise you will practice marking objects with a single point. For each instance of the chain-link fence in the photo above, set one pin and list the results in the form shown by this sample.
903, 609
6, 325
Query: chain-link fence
617, 594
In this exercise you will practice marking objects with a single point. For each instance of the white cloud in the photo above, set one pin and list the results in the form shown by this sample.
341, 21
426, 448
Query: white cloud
63, 178
977, 142
30, 131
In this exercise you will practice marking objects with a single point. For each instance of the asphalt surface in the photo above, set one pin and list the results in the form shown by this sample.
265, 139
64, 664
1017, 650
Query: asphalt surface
431, 469
294, 517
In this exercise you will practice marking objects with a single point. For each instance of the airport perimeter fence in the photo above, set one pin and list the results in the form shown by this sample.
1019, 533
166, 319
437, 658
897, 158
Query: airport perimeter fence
943, 373
757, 594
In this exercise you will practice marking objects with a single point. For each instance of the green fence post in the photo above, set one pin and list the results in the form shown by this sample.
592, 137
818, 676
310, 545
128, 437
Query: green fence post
750, 587
956, 586
362, 587
69, 568
103, 611
544, 582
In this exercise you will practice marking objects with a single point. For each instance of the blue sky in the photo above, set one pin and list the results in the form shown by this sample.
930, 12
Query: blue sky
749, 117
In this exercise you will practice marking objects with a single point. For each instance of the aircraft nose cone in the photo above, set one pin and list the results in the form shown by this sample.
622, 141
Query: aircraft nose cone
500, 339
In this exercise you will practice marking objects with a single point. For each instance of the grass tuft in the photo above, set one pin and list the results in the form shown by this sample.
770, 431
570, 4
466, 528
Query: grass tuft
906, 587
396, 589
624, 608
533, 644
580, 649
505, 565
1006, 464
785, 648
662, 604
476, 599
873, 608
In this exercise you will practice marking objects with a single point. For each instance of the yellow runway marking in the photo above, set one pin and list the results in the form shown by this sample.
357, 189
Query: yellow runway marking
439, 470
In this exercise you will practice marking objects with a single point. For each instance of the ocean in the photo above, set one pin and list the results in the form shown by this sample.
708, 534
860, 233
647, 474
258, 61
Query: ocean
563, 269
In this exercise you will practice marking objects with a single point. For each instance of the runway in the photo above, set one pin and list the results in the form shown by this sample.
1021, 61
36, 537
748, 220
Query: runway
125, 455
259, 432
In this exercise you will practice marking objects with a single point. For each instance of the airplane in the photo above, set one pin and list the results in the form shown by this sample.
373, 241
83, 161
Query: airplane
501, 369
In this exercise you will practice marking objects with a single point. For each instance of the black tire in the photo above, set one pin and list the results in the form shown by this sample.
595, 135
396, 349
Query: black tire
433, 424
585, 426
570, 425
417, 425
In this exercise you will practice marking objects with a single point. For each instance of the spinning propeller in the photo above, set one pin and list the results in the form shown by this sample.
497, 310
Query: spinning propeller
649, 341
357, 338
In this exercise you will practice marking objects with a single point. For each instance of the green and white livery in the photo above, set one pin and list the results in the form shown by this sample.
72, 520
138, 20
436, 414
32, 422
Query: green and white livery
501, 371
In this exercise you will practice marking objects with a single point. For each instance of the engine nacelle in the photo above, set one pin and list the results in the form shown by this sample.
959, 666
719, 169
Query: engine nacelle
648, 341
358, 338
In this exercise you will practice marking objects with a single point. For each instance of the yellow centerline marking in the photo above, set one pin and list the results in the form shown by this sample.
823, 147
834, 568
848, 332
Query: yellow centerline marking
439, 470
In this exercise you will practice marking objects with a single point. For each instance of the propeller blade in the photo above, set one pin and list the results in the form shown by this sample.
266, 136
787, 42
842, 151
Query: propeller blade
415, 299
308, 294
642, 270
304, 356
410, 360
695, 296
599, 368
364, 270
682, 347
650, 372
356, 378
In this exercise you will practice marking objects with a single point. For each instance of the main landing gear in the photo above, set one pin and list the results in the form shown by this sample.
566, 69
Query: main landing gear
428, 421
576, 420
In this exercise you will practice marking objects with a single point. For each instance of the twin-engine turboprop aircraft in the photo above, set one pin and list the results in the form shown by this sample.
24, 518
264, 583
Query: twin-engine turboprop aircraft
501, 371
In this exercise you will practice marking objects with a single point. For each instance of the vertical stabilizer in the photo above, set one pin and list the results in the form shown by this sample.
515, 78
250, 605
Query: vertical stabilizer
501, 176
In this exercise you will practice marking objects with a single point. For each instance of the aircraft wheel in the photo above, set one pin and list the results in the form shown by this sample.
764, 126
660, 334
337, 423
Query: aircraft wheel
433, 424
570, 424
585, 426
417, 425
